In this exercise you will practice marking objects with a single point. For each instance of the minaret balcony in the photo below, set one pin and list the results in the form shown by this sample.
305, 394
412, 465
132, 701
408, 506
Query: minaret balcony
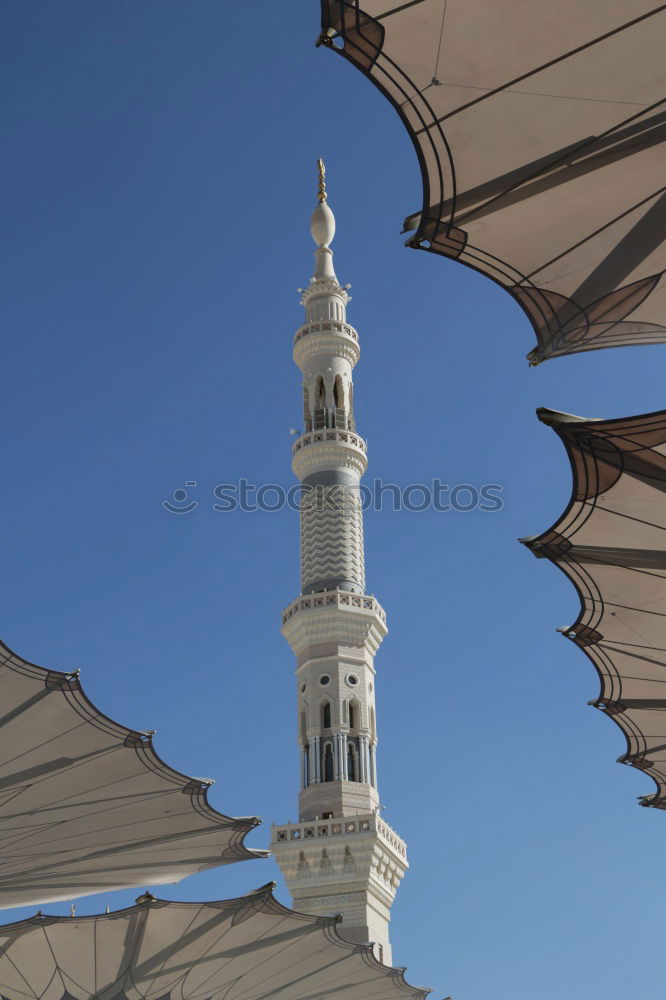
326, 337
328, 863
329, 448
334, 616
344, 826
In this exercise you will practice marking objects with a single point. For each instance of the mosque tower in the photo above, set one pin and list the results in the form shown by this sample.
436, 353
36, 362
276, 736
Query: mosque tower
341, 857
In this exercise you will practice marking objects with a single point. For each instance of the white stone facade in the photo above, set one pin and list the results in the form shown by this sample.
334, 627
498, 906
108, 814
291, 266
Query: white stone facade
348, 865
341, 857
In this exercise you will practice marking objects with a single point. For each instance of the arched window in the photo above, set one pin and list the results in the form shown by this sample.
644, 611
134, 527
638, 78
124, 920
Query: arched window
327, 762
373, 731
326, 715
307, 416
352, 770
303, 730
354, 714
319, 403
339, 402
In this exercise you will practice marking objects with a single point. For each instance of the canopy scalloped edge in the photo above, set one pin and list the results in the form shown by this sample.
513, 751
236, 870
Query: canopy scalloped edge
573, 304
616, 560
192, 940
77, 815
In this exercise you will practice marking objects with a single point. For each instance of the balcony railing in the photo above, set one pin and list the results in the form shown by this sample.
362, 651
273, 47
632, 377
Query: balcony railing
337, 827
327, 326
340, 598
325, 434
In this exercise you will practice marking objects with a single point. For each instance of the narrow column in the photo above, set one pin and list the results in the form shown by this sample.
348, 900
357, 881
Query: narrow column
373, 767
343, 756
314, 777
365, 759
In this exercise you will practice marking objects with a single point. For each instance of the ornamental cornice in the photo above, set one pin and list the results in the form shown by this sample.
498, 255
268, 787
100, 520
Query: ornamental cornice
328, 449
323, 286
303, 632
332, 344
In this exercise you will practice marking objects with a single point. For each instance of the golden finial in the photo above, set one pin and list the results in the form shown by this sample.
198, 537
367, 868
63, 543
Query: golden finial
321, 193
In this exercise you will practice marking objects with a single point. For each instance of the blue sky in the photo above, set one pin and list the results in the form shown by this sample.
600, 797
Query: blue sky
158, 182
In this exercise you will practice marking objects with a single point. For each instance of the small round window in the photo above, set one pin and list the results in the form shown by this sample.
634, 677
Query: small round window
352, 680
324, 680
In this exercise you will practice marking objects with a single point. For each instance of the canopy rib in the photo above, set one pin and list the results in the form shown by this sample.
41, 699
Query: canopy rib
553, 62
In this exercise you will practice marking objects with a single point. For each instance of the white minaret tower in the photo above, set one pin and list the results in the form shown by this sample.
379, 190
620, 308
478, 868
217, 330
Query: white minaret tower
341, 857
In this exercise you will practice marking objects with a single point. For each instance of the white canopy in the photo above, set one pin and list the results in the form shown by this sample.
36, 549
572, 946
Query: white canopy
86, 805
611, 543
539, 130
251, 948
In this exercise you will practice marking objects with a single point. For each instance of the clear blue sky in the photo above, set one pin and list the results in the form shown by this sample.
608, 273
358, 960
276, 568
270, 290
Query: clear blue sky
157, 186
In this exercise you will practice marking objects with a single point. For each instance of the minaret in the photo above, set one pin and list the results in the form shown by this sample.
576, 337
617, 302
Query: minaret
341, 857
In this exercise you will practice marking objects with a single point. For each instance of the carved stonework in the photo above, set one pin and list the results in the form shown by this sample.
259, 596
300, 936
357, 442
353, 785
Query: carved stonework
324, 286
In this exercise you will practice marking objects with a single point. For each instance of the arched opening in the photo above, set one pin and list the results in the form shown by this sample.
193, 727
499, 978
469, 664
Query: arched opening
326, 715
352, 764
307, 416
354, 714
319, 403
339, 402
327, 762
373, 731
303, 730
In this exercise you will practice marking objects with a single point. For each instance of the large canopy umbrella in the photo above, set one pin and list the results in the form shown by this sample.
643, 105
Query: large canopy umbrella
537, 128
610, 542
251, 948
86, 805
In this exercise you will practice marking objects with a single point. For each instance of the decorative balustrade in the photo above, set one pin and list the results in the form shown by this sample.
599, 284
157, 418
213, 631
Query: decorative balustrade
338, 827
326, 326
338, 598
326, 434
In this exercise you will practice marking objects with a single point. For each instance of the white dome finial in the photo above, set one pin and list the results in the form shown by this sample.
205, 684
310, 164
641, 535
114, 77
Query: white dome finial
322, 224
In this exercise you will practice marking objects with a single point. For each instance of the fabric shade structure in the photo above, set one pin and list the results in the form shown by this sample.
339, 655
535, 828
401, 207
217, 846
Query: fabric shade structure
537, 128
250, 948
86, 805
611, 544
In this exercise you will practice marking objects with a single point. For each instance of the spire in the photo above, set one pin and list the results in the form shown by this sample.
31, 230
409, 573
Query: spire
322, 228
321, 194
